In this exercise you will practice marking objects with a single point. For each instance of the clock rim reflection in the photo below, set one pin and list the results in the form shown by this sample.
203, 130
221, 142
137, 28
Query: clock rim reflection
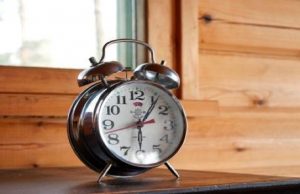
108, 148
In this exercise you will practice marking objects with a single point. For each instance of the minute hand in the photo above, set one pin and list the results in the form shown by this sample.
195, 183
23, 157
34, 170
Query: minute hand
150, 109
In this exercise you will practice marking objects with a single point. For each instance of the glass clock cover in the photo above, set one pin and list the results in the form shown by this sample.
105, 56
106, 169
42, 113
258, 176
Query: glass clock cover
141, 123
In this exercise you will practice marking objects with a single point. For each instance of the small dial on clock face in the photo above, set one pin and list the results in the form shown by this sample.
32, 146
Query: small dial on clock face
141, 124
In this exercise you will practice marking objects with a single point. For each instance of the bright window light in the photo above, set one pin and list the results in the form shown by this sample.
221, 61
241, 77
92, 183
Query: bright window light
54, 33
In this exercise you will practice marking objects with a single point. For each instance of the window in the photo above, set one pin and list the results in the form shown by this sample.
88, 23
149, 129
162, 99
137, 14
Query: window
65, 33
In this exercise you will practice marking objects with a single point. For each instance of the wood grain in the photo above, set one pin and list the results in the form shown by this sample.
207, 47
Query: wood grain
35, 142
239, 143
38, 80
196, 108
189, 49
253, 81
32, 80
235, 37
161, 35
35, 104
246, 60
276, 13
268, 27
252, 39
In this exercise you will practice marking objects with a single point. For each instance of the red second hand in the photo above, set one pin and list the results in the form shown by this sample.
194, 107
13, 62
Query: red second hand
131, 126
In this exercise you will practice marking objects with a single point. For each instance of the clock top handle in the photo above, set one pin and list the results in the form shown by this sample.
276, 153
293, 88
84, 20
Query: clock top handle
150, 49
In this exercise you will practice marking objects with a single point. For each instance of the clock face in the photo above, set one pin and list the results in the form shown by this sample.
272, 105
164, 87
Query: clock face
141, 123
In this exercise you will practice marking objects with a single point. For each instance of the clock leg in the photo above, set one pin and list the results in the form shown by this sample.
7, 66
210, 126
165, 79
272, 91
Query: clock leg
104, 172
172, 169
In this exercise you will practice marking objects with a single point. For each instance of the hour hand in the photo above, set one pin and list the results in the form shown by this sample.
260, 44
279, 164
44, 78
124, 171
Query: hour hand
140, 134
140, 137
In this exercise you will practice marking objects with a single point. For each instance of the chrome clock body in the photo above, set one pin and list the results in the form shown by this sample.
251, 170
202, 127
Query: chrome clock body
98, 142
125, 127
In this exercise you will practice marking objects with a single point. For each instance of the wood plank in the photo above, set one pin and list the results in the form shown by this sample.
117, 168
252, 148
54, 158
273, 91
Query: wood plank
242, 80
35, 104
226, 144
189, 49
276, 13
196, 108
35, 142
37, 155
38, 80
267, 29
260, 112
235, 37
26, 130
161, 32
164, 33
42, 80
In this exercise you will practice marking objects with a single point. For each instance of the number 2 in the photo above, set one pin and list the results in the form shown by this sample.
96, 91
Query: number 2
163, 110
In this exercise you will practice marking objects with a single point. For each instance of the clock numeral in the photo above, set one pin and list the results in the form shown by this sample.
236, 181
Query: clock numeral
126, 148
163, 110
121, 100
108, 124
157, 148
112, 110
137, 95
165, 138
169, 125
113, 139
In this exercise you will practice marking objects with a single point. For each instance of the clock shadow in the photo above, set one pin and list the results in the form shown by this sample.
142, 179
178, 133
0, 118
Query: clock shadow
124, 184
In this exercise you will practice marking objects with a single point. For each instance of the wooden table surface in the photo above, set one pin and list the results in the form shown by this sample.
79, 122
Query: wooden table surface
82, 180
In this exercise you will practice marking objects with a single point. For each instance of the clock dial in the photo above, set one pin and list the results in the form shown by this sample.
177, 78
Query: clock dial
141, 123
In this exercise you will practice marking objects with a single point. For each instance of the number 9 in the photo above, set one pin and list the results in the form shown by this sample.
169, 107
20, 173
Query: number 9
108, 124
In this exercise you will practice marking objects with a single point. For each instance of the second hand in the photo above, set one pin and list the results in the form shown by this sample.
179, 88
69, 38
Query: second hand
131, 126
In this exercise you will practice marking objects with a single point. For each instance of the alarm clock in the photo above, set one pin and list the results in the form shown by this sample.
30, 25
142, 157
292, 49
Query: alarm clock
125, 127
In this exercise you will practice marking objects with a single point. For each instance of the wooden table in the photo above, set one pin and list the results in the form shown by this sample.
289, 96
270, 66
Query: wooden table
82, 180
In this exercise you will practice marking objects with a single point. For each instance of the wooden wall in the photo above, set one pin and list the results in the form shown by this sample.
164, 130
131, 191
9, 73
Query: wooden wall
34, 103
243, 55
240, 67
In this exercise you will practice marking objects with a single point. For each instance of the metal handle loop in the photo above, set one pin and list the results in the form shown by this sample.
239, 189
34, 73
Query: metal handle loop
152, 57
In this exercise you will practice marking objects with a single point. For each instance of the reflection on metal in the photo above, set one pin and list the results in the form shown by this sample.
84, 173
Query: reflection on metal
152, 57
158, 73
172, 169
104, 172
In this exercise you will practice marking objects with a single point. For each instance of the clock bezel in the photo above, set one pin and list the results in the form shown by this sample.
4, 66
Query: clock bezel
93, 156
107, 149
74, 131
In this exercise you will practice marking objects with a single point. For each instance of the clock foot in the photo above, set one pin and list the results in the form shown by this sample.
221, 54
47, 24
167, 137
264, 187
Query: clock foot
104, 172
172, 169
